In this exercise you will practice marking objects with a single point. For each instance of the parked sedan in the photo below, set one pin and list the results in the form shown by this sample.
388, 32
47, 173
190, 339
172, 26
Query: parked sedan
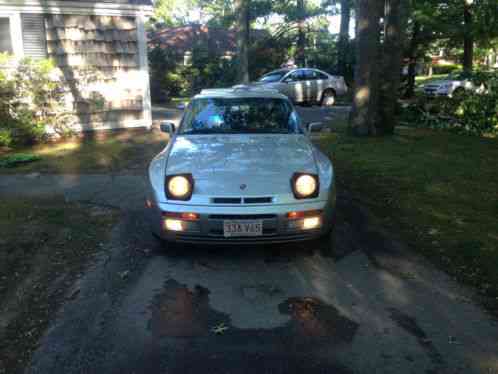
305, 85
454, 84
241, 168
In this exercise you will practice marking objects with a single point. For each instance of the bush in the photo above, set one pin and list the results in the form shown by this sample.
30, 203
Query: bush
31, 103
469, 112
445, 69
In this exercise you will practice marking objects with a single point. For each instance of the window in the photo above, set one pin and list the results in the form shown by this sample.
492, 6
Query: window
5, 35
296, 76
310, 75
322, 76
274, 76
240, 116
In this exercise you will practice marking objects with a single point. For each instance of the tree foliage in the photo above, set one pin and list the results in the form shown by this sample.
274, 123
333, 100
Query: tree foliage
31, 102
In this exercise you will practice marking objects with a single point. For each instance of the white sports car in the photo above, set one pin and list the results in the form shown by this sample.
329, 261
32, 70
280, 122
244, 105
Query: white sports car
241, 168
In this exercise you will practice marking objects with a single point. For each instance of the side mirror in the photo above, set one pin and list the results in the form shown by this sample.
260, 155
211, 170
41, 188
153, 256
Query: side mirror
168, 128
315, 126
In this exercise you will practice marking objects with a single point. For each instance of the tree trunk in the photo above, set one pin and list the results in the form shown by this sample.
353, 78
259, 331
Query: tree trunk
301, 34
391, 62
412, 63
365, 96
242, 12
468, 37
343, 42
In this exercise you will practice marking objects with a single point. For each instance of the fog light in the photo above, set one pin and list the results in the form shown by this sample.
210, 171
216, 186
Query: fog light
311, 223
173, 224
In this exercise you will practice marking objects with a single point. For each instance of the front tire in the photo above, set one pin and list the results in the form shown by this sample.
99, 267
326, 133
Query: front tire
328, 98
326, 243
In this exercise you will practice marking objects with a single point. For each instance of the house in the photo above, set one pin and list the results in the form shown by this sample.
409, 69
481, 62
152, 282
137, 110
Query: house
99, 48
217, 41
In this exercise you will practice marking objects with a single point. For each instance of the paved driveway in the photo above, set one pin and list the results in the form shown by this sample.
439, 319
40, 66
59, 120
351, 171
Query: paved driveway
372, 307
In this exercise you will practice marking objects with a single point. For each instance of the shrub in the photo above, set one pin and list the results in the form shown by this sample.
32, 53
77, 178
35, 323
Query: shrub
445, 69
31, 103
470, 112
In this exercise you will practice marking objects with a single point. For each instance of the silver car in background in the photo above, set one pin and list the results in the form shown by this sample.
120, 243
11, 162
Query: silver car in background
305, 85
454, 85
241, 168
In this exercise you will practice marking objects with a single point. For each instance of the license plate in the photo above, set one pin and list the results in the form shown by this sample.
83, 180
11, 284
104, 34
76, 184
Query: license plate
242, 228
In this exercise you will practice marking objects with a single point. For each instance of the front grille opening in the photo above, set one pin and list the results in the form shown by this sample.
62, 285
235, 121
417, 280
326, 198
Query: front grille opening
242, 216
227, 200
258, 200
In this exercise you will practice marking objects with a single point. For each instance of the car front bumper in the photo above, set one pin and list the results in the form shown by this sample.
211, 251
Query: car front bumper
277, 227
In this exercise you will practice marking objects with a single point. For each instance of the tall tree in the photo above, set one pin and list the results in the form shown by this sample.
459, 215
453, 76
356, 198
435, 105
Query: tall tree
365, 96
391, 60
343, 43
301, 34
468, 37
242, 27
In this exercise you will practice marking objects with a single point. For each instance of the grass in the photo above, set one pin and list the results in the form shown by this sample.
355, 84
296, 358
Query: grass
437, 189
125, 151
44, 244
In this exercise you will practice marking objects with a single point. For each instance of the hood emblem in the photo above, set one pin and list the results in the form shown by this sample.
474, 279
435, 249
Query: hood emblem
243, 186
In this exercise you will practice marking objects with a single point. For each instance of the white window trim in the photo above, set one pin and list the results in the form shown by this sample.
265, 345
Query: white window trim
144, 70
15, 32
115, 8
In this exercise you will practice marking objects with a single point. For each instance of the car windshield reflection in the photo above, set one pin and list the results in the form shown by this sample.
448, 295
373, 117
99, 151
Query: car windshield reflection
240, 116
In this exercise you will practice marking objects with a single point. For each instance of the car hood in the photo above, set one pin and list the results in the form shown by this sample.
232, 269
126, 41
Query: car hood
220, 164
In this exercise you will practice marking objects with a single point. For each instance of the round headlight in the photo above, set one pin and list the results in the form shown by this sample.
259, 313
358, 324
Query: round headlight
305, 185
179, 187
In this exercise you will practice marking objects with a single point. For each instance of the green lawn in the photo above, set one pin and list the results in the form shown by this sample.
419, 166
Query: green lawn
118, 152
44, 245
438, 189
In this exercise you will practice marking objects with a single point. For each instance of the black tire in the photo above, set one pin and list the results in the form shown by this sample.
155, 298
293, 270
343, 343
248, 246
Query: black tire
326, 243
329, 98
458, 93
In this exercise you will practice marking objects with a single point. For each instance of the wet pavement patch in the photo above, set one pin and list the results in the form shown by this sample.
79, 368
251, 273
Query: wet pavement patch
183, 316
314, 321
180, 312
410, 325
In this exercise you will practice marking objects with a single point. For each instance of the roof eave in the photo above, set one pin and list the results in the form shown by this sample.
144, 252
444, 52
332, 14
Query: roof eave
75, 7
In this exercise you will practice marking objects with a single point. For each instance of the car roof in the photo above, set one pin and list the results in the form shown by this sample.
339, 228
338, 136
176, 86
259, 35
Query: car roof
279, 71
240, 91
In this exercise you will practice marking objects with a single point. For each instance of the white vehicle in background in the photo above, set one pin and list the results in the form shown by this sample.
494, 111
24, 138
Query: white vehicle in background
305, 85
453, 85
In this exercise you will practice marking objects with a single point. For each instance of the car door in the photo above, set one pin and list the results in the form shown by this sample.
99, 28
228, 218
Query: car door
312, 79
293, 86
322, 82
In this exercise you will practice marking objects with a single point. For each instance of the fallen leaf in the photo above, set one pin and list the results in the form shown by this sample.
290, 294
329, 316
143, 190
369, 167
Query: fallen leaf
219, 329
124, 274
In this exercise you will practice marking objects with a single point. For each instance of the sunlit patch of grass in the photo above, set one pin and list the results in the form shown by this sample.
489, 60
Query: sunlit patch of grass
438, 189
124, 151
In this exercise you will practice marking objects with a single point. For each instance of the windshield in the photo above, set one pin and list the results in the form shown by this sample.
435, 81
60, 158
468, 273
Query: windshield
240, 116
273, 77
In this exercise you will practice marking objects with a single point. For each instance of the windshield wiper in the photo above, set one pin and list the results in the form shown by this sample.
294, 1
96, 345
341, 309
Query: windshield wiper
203, 131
